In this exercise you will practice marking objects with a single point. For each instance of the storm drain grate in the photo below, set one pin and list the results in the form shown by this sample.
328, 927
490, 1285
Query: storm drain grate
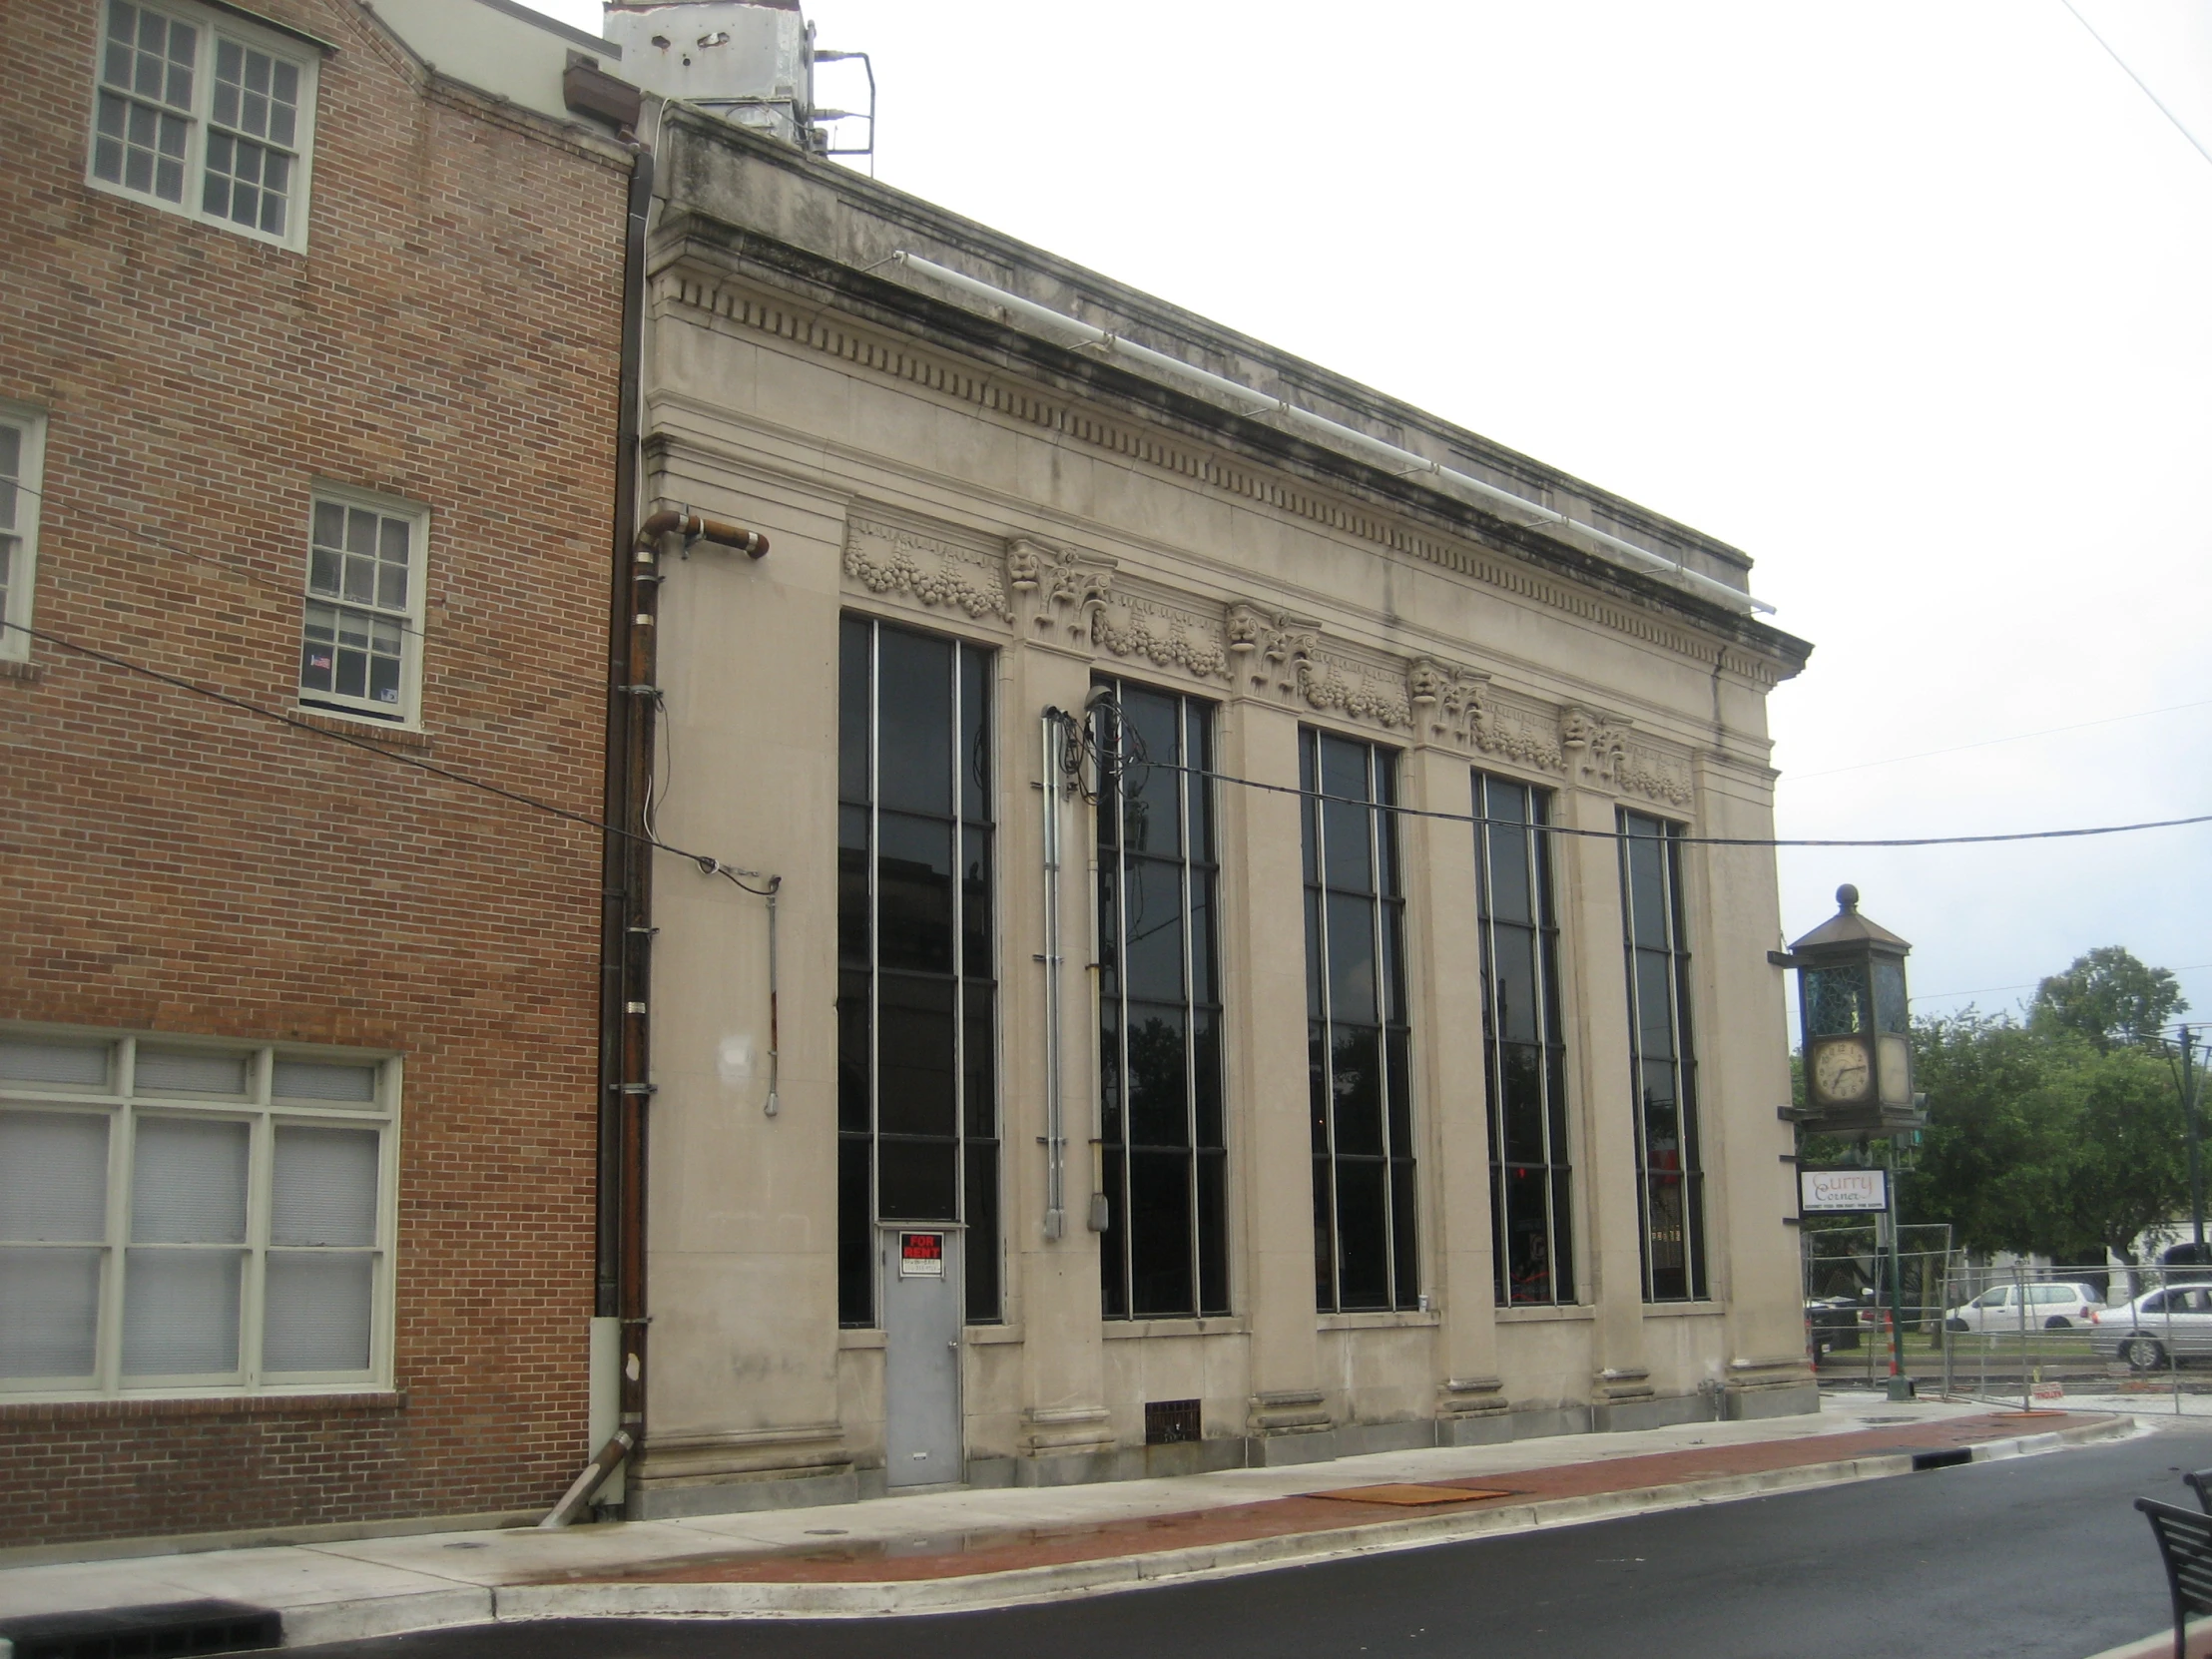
169, 1631
1170, 1421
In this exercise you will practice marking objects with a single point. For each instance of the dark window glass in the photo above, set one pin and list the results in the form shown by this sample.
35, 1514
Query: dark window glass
855, 1233
917, 1110
913, 893
1162, 1263
854, 910
981, 1243
1670, 1188
1359, 1052
917, 1179
914, 712
855, 649
1531, 1180
1165, 1251
855, 1052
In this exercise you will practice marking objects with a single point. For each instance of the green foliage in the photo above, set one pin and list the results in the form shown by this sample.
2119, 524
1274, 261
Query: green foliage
2108, 998
2063, 1136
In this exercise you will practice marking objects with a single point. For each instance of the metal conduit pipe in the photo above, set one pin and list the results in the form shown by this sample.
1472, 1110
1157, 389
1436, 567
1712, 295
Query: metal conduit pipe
1052, 734
624, 901
692, 527
1404, 462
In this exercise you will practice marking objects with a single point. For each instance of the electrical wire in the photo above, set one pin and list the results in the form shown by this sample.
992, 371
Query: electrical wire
448, 639
2141, 84
1684, 841
706, 862
2024, 985
713, 865
1989, 743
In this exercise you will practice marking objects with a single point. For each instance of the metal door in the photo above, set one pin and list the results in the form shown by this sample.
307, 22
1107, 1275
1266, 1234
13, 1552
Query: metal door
921, 1355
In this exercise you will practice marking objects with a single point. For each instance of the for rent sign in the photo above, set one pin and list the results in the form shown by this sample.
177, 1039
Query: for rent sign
1832, 1190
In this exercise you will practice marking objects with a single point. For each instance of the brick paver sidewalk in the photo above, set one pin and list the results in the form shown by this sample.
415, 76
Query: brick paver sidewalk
1005, 1549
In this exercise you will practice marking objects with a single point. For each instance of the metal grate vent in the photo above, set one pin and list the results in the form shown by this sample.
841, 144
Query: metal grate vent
1170, 1421
169, 1631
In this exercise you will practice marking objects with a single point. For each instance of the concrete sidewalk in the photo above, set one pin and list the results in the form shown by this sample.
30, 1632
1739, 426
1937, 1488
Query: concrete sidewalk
960, 1550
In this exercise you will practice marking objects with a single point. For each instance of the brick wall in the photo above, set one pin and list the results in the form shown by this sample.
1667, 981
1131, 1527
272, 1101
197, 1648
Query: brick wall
450, 335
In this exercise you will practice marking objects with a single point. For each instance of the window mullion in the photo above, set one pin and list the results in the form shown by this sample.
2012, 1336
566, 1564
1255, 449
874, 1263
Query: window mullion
955, 760
260, 1183
1377, 827
1128, 1245
875, 961
1328, 1022
107, 1343
1194, 1227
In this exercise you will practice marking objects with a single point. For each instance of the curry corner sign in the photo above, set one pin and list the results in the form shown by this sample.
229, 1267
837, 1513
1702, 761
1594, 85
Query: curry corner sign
1830, 1190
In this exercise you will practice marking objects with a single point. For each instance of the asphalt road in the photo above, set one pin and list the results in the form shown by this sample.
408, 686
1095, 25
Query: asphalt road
2030, 1558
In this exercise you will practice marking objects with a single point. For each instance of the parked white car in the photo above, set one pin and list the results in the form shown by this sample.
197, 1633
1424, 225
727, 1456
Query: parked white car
2049, 1308
2175, 1322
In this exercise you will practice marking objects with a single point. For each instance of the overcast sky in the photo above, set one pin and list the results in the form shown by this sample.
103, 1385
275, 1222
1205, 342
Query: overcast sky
1912, 302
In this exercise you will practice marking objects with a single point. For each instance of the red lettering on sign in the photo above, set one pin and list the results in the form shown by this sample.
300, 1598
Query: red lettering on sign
921, 1247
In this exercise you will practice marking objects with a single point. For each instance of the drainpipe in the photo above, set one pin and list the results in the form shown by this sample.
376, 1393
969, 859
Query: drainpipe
624, 939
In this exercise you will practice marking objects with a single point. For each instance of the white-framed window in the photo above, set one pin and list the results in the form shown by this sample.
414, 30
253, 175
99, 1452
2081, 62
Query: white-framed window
201, 113
22, 467
360, 632
181, 1217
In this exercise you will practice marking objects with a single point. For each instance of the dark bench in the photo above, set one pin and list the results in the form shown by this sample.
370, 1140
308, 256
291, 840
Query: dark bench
2185, 1541
2198, 1482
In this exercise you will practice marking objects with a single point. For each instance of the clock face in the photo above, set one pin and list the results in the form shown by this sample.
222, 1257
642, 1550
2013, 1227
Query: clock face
1895, 1071
1840, 1071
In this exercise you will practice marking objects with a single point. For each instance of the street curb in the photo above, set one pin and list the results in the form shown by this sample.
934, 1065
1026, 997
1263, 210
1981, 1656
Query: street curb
1025, 1586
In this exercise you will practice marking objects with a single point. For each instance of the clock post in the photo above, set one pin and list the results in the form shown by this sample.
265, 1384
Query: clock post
1853, 1010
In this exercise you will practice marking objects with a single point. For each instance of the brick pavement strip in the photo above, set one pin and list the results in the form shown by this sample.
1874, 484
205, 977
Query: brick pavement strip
1008, 1567
939, 1561
1319, 1515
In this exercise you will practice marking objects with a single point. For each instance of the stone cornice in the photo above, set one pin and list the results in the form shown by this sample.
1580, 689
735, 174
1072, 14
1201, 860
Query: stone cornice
842, 220
1144, 423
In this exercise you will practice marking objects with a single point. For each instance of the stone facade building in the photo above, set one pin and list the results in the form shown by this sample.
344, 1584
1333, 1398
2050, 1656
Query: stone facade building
308, 361
1147, 1061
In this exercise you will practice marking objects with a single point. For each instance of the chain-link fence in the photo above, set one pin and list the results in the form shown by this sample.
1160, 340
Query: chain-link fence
2025, 1334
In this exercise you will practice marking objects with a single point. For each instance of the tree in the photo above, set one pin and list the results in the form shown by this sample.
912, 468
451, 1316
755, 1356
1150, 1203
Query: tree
2127, 1170
1995, 1154
2108, 998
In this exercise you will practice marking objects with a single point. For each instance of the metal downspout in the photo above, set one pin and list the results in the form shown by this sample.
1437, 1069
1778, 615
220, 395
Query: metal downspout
625, 915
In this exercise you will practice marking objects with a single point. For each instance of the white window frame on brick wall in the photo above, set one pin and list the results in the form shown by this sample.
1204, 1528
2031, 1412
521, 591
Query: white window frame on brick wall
350, 618
269, 1135
188, 113
22, 477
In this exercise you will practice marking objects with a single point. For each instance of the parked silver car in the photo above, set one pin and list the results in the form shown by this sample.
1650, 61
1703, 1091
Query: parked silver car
2059, 1306
2175, 1322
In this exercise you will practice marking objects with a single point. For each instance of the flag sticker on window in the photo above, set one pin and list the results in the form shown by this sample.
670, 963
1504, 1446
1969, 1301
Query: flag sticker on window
921, 1255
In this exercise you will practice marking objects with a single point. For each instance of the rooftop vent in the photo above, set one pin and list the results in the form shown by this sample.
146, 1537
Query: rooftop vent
749, 61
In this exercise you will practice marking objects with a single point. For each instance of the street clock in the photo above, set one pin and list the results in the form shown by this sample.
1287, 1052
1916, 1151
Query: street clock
1853, 1011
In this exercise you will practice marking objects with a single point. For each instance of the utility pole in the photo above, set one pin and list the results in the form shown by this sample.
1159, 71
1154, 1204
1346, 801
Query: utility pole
2196, 1154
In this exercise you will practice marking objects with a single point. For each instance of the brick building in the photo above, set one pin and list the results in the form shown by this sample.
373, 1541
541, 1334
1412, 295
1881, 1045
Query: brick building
308, 370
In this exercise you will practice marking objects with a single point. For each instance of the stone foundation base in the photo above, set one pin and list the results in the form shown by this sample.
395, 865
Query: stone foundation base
654, 1501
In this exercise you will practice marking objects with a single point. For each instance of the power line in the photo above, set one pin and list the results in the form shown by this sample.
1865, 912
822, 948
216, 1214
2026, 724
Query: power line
713, 865
1682, 841
706, 862
1985, 743
2027, 986
2139, 81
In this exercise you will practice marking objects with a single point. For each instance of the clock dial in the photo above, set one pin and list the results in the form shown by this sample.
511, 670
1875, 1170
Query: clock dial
1840, 1071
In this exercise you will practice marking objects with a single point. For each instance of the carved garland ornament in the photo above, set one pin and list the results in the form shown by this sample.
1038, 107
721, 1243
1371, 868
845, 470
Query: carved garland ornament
886, 560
